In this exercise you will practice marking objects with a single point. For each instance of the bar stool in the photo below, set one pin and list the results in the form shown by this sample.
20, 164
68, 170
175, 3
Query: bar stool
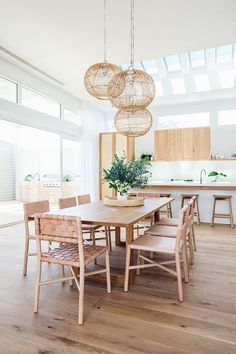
168, 206
226, 198
185, 197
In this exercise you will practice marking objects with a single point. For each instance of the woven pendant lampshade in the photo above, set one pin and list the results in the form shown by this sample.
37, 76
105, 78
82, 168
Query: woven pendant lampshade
97, 78
131, 90
133, 123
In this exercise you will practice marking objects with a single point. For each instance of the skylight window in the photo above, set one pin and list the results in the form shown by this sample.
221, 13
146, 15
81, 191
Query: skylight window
124, 66
172, 63
224, 53
201, 82
227, 78
197, 58
150, 66
188, 120
178, 86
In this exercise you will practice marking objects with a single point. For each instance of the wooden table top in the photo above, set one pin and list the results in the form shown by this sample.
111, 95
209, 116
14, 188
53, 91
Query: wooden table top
99, 214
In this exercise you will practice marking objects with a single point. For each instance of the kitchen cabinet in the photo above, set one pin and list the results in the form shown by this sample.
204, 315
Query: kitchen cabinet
109, 145
182, 144
29, 191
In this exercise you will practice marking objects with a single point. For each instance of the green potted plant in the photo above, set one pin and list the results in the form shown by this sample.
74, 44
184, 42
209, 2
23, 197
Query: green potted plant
148, 157
216, 175
124, 175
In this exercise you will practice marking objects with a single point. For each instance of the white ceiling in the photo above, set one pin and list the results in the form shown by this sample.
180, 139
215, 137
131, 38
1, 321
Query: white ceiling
64, 37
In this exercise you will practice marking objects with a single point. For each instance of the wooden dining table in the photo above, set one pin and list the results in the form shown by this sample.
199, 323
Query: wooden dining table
96, 213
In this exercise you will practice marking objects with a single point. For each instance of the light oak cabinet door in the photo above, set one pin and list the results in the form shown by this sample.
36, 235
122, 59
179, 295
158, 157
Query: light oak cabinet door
161, 145
111, 144
189, 144
175, 144
203, 143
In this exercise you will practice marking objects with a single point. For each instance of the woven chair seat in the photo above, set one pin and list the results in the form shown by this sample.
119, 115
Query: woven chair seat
165, 231
168, 221
67, 254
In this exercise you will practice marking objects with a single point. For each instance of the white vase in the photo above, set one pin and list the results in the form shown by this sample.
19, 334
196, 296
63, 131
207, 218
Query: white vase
122, 196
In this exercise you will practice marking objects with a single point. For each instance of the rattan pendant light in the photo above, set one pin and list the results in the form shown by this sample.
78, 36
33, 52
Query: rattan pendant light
98, 76
131, 89
133, 123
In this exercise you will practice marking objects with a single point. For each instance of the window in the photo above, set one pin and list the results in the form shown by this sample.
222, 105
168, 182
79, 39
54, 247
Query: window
227, 117
227, 78
8, 90
172, 63
124, 66
40, 103
72, 116
150, 66
190, 120
201, 82
178, 86
159, 89
197, 58
224, 53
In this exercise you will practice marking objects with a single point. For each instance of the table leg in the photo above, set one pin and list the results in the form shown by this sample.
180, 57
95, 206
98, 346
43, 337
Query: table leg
157, 216
129, 239
117, 236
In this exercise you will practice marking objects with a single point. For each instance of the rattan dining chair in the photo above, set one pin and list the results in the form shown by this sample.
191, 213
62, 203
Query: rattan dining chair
30, 209
163, 245
67, 202
72, 252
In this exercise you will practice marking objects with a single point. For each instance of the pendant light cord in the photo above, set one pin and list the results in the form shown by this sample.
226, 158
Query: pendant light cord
132, 33
105, 31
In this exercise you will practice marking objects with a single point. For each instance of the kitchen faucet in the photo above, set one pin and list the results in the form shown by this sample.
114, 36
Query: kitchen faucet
203, 170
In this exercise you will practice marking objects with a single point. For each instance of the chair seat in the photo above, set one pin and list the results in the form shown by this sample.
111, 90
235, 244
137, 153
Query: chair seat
154, 244
164, 231
222, 197
67, 254
189, 196
168, 221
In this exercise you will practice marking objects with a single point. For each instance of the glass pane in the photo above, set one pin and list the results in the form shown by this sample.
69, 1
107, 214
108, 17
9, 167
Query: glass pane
159, 89
201, 82
224, 53
191, 120
197, 58
40, 103
124, 66
71, 168
150, 66
72, 116
172, 63
178, 86
8, 90
227, 117
227, 78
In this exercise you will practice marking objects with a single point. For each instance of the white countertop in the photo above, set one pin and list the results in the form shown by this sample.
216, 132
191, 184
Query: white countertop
192, 184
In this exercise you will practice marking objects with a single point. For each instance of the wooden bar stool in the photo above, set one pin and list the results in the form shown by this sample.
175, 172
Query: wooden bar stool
168, 207
226, 198
185, 197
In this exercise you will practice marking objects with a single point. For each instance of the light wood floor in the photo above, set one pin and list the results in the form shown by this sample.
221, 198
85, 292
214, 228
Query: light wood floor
147, 319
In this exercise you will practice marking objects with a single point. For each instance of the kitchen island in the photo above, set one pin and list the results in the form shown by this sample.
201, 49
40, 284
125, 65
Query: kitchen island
205, 190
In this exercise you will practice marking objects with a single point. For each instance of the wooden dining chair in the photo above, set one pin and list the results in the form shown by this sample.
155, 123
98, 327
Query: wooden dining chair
148, 220
29, 210
174, 221
67, 202
71, 252
93, 229
163, 245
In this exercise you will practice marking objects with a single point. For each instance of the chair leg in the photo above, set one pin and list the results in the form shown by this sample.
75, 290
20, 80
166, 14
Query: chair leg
109, 239
193, 237
213, 213
138, 262
37, 286
92, 235
198, 212
231, 214
179, 277
81, 297
49, 245
186, 270
63, 273
170, 210
26, 255
108, 272
191, 247
128, 253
